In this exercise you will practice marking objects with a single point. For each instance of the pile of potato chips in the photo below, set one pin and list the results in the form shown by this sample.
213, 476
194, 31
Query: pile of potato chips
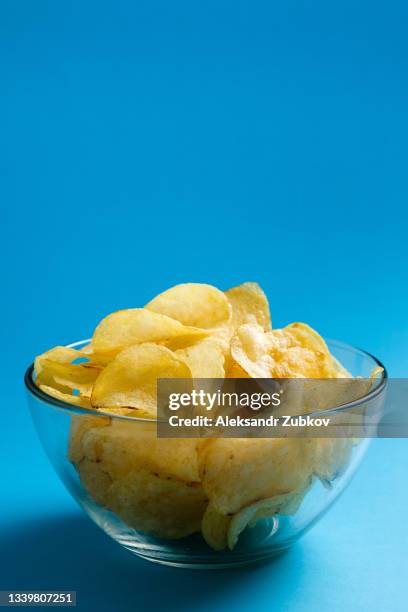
172, 488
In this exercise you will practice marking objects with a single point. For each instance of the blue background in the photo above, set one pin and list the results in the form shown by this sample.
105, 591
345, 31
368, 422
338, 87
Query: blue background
149, 143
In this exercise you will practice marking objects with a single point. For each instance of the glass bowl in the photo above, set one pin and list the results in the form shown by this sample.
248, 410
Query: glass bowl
59, 426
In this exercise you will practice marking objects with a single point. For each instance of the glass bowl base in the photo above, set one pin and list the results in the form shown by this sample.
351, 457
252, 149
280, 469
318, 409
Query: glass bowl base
256, 545
267, 539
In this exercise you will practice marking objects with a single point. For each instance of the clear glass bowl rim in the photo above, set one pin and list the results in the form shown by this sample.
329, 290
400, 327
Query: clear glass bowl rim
53, 402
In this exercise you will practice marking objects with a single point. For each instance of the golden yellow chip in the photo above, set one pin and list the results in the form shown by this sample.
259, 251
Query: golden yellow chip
329, 394
79, 425
95, 480
249, 305
238, 472
287, 503
125, 328
281, 353
66, 377
87, 349
234, 370
263, 508
55, 370
205, 358
214, 528
76, 400
307, 337
194, 304
249, 349
58, 354
289, 507
130, 380
124, 446
164, 507
341, 371
329, 457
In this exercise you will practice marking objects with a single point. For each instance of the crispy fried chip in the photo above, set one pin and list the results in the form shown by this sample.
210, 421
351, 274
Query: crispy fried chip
95, 480
329, 457
125, 328
340, 369
58, 354
205, 359
66, 377
164, 507
249, 305
306, 337
55, 370
79, 425
325, 393
235, 371
214, 528
287, 503
194, 304
262, 467
76, 400
249, 349
289, 507
124, 446
282, 353
130, 379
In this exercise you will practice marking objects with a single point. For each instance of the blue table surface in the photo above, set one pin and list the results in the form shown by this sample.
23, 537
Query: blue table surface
146, 144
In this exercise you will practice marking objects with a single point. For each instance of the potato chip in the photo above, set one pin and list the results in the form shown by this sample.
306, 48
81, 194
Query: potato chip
249, 349
130, 380
125, 328
95, 480
194, 304
287, 503
65, 376
376, 372
79, 425
164, 507
214, 528
262, 467
329, 457
59, 354
281, 353
289, 507
234, 370
327, 393
306, 337
124, 446
341, 371
55, 370
249, 305
76, 400
205, 358
87, 349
